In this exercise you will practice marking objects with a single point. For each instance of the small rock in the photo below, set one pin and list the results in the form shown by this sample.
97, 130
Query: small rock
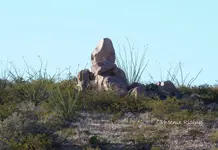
84, 77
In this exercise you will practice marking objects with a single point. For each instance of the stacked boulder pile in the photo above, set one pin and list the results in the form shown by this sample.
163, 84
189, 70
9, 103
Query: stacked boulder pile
106, 75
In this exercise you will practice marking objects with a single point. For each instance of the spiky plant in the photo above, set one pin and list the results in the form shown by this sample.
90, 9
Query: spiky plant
64, 102
131, 63
182, 82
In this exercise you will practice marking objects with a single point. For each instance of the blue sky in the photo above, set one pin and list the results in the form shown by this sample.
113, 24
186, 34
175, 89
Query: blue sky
64, 33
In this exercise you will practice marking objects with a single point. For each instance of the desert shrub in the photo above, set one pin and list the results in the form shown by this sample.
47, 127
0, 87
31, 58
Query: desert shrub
185, 89
214, 136
70, 84
5, 85
8, 94
7, 109
48, 116
160, 108
109, 101
31, 142
98, 101
35, 91
195, 105
209, 93
64, 102
26, 106
18, 129
12, 127
34, 87
177, 110
66, 133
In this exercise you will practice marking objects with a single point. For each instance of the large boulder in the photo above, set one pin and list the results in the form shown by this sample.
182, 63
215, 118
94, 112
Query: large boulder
107, 74
104, 51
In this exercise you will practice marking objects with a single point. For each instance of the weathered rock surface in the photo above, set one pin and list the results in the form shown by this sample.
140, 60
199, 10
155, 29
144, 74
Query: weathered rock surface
115, 83
120, 74
99, 68
104, 51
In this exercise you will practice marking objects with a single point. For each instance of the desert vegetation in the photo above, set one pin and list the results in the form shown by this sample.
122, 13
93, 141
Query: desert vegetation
40, 112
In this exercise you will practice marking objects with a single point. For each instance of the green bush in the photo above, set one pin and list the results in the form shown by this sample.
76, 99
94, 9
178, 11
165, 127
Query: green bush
31, 142
35, 91
161, 108
109, 101
18, 129
208, 93
7, 109
64, 102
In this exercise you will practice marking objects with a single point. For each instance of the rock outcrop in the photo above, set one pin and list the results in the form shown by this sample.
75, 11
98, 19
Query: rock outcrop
105, 75
104, 72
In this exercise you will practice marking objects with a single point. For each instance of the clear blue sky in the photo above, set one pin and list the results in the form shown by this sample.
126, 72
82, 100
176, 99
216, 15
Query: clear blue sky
64, 33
